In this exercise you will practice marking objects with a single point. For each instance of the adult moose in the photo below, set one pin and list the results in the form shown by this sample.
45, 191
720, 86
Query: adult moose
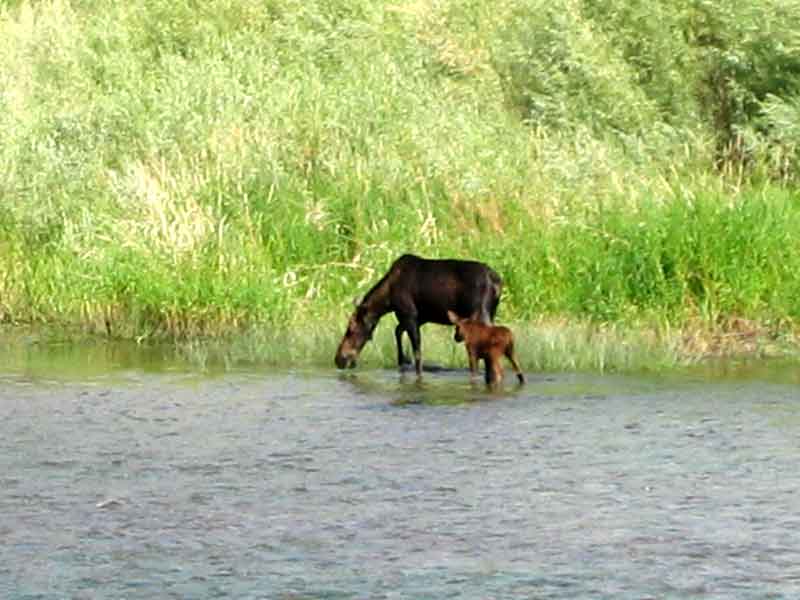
418, 291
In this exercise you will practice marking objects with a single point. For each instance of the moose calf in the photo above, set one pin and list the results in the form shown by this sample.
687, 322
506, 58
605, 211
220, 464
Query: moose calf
486, 342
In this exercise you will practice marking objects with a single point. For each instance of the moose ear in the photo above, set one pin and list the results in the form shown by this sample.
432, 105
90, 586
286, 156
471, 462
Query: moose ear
452, 316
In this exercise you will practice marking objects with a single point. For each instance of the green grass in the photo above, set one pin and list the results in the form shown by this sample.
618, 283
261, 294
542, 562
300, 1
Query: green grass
184, 171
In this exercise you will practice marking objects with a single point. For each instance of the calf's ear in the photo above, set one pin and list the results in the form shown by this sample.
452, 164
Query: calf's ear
452, 316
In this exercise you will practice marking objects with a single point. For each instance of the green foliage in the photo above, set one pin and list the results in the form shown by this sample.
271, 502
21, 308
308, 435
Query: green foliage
188, 169
705, 255
748, 52
561, 71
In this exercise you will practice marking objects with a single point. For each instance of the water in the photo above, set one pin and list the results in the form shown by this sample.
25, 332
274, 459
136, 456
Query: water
139, 478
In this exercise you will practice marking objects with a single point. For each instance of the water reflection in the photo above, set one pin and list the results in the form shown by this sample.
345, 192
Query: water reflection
36, 356
774, 370
434, 388
454, 386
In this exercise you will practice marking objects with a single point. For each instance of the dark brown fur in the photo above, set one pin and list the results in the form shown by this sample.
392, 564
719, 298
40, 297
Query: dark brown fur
488, 343
419, 291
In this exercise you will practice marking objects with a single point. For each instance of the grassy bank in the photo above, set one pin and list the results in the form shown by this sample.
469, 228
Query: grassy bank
184, 171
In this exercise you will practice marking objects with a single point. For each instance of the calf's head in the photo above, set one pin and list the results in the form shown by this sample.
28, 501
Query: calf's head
461, 324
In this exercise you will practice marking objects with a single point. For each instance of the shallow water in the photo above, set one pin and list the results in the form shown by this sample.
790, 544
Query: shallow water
140, 478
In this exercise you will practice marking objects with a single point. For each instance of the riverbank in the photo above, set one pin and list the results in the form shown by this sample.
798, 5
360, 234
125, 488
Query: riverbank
542, 347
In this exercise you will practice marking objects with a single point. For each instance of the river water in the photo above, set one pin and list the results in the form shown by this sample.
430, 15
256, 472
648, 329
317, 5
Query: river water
137, 479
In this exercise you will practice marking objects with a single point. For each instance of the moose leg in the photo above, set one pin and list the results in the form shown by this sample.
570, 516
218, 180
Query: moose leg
497, 370
473, 365
481, 313
484, 311
416, 344
398, 336
494, 372
513, 361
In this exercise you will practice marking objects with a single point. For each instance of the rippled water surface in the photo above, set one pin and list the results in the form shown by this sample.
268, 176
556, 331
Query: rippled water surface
161, 483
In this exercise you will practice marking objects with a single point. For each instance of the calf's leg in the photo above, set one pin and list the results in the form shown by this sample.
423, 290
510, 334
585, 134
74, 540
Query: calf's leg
514, 364
473, 364
494, 370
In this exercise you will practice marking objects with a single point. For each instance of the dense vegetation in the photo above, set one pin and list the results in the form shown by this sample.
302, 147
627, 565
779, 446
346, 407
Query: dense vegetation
180, 168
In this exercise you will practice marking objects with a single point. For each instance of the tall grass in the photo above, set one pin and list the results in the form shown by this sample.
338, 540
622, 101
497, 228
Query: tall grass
180, 169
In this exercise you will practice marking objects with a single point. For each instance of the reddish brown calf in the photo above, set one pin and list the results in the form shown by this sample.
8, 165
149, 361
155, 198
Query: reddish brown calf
488, 343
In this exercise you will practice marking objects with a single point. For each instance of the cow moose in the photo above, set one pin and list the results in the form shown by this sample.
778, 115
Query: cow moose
488, 343
418, 291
